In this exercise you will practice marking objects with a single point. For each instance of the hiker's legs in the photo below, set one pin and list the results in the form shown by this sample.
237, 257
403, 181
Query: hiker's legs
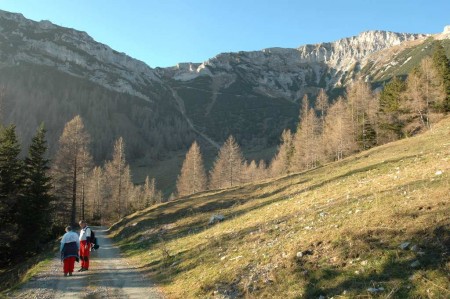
84, 255
69, 264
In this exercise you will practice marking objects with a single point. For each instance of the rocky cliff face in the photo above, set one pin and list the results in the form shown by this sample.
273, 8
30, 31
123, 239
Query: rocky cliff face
273, 72
289, 73
73, 52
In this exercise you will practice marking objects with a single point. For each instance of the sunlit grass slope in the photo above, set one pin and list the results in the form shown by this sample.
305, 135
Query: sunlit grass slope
334, 231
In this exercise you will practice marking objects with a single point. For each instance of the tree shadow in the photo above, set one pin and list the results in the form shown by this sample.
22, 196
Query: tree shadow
396, 267
159, 218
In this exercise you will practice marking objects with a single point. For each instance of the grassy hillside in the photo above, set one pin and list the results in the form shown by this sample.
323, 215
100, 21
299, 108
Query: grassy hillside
333, 231
401, 60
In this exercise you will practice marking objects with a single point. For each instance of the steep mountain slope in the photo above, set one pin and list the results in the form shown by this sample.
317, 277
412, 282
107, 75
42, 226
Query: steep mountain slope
49, 74
260, 90
375, 225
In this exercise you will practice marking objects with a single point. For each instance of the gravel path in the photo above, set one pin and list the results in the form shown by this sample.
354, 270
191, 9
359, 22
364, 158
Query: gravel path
109, 276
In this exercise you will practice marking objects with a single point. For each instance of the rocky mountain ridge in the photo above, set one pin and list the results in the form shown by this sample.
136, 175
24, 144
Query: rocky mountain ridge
73, 52
274, 72
282, 72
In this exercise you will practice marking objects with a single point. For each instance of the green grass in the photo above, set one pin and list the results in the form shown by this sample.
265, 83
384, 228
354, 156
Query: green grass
348, 218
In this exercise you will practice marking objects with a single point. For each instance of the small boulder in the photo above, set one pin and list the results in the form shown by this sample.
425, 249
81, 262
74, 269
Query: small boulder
375, 290
415, 264
405, 245
216, 218
414, 248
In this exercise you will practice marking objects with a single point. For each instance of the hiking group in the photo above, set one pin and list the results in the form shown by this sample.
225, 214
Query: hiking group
76, 247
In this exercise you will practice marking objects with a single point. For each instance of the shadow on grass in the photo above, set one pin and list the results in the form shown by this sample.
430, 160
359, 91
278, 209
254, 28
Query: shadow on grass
206, 203
394, 274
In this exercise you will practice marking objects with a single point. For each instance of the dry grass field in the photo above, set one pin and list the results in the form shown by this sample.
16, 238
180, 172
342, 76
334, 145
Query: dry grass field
335, 231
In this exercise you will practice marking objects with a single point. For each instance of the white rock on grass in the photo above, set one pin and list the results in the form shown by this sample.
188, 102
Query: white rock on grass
375, 290
405, 245
415, 248
216, 218
439, 172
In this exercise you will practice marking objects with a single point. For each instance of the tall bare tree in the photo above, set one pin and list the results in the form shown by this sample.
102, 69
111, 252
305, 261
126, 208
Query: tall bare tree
250, 172
338, 131
227, 169
96, 194
424, 95
322, 106
306, 139
86, 164
192, 178
151, 194
69, 163
262, 171
281, 163
118, 178
362, 108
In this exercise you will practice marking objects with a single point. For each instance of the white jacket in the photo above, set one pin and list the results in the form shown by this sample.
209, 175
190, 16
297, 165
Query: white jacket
85, 232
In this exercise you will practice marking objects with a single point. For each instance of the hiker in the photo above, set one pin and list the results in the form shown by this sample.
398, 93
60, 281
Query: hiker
85, 245
69, 250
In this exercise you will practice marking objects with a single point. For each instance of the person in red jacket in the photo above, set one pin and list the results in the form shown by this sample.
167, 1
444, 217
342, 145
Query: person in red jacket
85, 245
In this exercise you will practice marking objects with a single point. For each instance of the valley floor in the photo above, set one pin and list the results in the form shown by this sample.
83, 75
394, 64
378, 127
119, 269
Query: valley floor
110, 276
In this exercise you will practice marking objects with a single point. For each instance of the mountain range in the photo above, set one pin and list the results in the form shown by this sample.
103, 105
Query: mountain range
50, 74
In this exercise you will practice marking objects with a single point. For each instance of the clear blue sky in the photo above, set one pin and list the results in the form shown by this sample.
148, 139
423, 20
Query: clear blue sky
165, 32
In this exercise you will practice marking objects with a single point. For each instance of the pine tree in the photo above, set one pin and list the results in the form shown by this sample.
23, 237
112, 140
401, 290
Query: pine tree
68, 164
192, 178
442, 64
390, 99
11, 185
35, 202
228, 167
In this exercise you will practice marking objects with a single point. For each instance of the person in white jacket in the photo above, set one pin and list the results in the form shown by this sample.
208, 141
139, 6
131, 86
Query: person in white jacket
69, 250
85, 245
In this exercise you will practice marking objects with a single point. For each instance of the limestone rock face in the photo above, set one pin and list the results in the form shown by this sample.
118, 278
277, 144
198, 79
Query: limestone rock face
287, 73
72, 51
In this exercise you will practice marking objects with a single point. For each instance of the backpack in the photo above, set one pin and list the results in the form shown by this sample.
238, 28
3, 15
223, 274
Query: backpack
94, 243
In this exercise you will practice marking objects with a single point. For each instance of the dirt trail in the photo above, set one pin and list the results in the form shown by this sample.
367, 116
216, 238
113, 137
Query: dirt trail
109, 276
